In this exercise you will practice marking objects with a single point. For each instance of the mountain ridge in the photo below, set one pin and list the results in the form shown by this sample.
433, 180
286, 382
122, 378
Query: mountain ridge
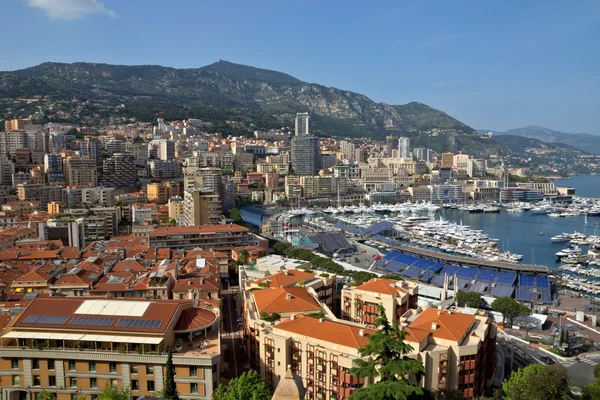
586, 142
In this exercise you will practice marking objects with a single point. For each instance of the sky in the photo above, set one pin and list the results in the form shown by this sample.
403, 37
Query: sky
491, 64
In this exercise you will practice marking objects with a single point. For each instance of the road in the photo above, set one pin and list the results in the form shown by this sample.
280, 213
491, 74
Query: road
580, 372
231, 338
366, 255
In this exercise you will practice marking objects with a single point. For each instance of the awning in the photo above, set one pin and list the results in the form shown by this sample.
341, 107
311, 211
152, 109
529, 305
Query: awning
84, 338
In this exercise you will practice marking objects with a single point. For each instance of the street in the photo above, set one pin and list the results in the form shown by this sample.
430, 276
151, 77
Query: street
231, 340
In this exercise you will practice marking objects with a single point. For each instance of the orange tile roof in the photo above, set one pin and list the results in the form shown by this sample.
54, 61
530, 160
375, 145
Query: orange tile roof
328, 331
277, 301
450, 325
382, 286
286, 278
206, 284
194, 319
174, 230
128, 265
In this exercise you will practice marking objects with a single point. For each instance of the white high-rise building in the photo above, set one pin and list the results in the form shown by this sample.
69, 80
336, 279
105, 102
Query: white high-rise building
302, 121
404, 147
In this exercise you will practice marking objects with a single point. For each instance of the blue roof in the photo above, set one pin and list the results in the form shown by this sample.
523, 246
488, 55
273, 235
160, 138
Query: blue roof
486, 275
526, 280
506, 278
542, 282
377, 228
411, 272
467, 273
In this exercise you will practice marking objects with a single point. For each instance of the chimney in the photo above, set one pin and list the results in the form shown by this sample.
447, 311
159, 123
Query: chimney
189, 283
288, 296
361, 333
434, 326
320, 320
202, 281
293, 317
285, 272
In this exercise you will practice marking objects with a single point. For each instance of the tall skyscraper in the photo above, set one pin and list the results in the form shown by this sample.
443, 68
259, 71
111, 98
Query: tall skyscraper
302, 120
391, 143
305, 155
347, 148
80, 171
404, 147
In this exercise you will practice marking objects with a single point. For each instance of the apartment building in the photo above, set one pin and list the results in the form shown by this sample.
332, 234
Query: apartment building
75, 347
119, 170
7, 169
80, 171
201, 207
457, 350
40, 193
216, 237
359, 303
104, 196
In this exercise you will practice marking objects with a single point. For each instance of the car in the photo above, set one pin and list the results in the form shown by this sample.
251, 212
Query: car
239, 320
356, 259
548, 360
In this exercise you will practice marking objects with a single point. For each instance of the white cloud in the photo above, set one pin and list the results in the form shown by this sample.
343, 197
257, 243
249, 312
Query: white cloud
71, 9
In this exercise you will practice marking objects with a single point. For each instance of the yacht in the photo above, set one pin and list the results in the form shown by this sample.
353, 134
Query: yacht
572, 250
561, 238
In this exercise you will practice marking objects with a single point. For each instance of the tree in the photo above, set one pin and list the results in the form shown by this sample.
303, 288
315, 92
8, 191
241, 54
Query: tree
538, 382
387, 360
591, 391
112, 393
243, 256
510, 308
248, 386
469, 299
169, 391
44, 395
597, 371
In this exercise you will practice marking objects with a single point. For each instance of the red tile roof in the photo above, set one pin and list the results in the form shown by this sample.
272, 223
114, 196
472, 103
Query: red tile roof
285, 300
328, 331
286, 278
381, 286
194, 318
448, 325
205, 284
128, 266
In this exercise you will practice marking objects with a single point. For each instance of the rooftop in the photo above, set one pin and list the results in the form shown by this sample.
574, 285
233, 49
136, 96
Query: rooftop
285, 278
441, 324
382, 286
206, 229
285, 300
336, 332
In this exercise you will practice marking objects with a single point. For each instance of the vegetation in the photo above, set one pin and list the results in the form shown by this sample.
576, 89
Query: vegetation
538, 382
388, 362
270, 317
111, 393
510, 308
44, 395
321, 263
169, 391
248, 386
469, 299
591, 391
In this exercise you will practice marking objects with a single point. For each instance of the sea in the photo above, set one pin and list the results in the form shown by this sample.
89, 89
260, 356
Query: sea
528, 234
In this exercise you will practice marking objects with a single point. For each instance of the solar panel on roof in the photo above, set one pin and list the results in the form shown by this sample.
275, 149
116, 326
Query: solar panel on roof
92, 321
138, 323
46, 319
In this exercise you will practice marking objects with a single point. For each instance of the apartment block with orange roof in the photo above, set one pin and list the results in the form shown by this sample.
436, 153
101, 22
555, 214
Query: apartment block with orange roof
359, 303
458, 350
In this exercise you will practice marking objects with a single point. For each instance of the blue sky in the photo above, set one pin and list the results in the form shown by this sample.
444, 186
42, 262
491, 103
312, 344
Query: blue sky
491, 64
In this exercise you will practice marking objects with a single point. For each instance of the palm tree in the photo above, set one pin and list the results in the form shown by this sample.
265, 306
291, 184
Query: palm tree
243, 256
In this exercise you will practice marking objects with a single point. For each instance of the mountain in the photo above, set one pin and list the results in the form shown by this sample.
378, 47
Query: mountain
547, 158
234, 86
582, 141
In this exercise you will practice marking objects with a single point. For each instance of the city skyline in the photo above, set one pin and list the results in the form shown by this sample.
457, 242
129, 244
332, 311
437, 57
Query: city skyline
491, 73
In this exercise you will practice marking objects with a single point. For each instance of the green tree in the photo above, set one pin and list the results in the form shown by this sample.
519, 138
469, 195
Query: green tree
243, 256
248, 386
112, 393
538, 382
510, 308
169, 391
469, 299
591, 391
44, 395
597, 371
387, 360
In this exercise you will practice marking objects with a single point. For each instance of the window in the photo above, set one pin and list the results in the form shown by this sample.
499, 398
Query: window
51, 380
135, 384
73, 381
114, 383
71, 365
16, 380
149, 369
113, 367
150, 386
35, 363
193, 371
193, 388
93, 383
181, 296
133, 369
50, 364
92, 366
14, 363
37, 381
